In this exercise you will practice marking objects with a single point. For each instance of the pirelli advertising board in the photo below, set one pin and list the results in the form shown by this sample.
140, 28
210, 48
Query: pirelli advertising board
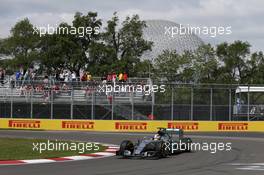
130, 126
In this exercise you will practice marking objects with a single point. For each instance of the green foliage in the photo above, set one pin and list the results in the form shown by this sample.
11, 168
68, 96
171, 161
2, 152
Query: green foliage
223, 64
117, 48
22, 44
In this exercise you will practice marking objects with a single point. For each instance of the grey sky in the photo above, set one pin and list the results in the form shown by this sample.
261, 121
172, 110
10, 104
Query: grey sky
244, 16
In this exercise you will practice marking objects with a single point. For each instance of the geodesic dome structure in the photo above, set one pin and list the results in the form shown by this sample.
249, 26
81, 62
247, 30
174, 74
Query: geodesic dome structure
156, 32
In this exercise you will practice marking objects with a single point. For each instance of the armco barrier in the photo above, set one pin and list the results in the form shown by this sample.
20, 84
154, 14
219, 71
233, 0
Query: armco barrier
129, 125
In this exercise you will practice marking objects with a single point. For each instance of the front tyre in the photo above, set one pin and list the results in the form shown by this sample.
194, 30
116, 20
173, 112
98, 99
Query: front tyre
126, 145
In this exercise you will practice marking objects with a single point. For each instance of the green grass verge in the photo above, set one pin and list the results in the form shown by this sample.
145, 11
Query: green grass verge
22, 149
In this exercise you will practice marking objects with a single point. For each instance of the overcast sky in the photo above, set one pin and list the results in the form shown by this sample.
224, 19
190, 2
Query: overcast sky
244, 16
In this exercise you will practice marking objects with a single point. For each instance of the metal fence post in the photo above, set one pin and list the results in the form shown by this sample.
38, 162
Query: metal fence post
92, 111
152, 104
31, 103
132, 105
172, 102
192, 103
211, 104
72, 103
51, 105
230, 104
248, 108
11, 107
112, 113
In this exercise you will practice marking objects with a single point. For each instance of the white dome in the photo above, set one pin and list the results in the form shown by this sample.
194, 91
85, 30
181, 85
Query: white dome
156, 32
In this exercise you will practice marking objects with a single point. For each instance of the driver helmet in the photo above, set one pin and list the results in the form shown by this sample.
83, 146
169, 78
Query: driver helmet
156, 137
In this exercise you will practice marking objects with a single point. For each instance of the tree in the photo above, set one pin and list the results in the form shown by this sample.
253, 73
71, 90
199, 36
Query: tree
255, 69
234, 58
205, 65
72, 50
22, 45
126, 44
173, 66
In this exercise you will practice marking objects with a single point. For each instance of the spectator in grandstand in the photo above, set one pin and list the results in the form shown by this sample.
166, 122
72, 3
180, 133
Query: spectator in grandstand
26, 76
18, 75
109, 77
57, 76
104, 78
66, 76
113, 77
89, 76
73, 76
61, 76
120, 77
84, 77
46, 80
125, 77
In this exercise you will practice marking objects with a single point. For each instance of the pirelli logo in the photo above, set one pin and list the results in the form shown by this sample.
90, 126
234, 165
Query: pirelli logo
137, 126
232, 126
77, 125
24, 124
184, 125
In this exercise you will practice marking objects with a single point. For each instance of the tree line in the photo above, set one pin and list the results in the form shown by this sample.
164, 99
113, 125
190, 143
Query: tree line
119, 47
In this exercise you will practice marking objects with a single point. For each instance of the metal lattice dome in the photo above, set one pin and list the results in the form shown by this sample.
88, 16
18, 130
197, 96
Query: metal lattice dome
155, 32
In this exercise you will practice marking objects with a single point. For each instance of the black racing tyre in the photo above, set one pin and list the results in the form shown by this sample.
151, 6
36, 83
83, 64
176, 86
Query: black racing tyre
161, 150
126, 145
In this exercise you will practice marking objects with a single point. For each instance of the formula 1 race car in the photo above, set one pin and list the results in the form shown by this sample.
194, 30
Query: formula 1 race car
166, 142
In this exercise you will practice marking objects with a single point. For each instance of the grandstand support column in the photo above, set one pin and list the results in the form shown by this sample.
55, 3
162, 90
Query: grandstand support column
211, 104
192, 103
230, 104
31, 103
51, 105
172, 104
72, 103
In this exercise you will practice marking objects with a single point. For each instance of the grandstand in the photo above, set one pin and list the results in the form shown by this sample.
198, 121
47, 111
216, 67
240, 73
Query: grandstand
85, 100
86, 94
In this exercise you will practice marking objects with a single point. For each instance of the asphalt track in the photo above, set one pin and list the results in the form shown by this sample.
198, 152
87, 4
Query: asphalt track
246, 156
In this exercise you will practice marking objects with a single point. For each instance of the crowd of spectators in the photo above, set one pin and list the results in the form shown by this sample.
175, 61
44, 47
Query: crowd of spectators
115, 77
